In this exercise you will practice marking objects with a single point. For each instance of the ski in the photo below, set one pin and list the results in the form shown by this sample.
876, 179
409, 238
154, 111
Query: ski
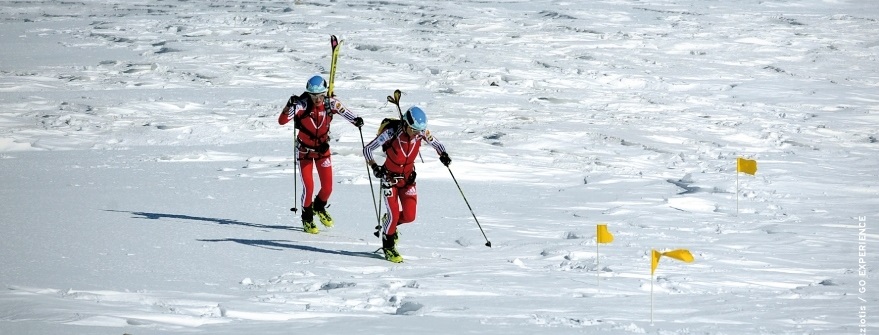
334, 44
395, 99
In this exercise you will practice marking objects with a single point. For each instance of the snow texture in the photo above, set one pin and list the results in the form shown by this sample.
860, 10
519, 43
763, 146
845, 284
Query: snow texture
146, 184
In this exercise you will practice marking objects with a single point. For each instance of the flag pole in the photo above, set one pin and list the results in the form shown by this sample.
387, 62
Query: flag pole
601, 236
597, 265
651, 299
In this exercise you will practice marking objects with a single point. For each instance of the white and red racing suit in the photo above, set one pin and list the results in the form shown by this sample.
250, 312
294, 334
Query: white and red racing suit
398, 185
312, 142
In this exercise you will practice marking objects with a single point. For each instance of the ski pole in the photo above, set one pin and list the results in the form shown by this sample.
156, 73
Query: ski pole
378, 226
487, 242
295, 174
369, 175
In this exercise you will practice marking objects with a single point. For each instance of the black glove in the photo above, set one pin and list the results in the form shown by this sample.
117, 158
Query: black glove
378, 171
444, 157
411, 179
358, 122
292, 101
323, 147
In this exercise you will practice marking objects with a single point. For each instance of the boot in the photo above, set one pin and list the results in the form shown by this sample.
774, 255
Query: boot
388, 245
308, 221
320, 208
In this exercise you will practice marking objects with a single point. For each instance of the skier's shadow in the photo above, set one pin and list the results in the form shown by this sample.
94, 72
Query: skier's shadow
267, 244
159, 216
284, 244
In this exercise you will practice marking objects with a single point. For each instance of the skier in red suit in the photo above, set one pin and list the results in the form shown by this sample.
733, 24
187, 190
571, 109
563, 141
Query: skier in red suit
401, 145
311, 114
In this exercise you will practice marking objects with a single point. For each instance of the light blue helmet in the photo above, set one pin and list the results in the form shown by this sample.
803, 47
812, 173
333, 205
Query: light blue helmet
415, 118
316, 85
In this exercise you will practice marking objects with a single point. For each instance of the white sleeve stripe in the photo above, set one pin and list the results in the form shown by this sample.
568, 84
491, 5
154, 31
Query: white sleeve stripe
376, 143
341, 110
436, 144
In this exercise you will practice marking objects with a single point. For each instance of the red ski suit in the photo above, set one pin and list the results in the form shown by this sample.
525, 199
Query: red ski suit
312, 142
398, 186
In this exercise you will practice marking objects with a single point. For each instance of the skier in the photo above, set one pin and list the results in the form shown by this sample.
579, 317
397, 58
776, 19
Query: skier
401, 143
312, 113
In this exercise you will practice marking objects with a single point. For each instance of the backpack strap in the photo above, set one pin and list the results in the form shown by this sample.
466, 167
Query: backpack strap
309, 107
395, 125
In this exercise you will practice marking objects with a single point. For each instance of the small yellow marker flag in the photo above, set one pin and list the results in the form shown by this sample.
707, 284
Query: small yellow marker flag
602, 235
679, 254
747, 166
654, 261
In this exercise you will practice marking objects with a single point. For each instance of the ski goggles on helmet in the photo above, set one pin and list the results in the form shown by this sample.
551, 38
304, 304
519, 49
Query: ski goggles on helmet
416, 118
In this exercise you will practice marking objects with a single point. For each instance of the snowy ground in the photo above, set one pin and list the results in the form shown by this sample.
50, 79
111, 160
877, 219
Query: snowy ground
146, 185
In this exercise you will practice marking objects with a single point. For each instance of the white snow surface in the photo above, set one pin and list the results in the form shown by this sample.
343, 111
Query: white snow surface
147, 186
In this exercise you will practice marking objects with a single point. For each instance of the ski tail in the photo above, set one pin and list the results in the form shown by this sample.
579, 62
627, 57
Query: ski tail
335, 44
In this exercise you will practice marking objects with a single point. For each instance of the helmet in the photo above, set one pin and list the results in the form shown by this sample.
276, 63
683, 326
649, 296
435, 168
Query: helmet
415, 118
316, 85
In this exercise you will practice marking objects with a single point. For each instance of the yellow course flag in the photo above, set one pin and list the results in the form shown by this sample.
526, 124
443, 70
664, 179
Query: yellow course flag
654, 261
679, 254
747, 166
602, 235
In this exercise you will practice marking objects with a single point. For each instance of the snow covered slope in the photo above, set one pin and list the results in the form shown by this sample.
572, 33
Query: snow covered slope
146, 184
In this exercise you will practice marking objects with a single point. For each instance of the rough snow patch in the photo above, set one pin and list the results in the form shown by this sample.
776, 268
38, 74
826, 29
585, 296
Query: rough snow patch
691, 204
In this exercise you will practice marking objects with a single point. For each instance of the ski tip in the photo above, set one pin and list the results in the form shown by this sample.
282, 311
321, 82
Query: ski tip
395, 99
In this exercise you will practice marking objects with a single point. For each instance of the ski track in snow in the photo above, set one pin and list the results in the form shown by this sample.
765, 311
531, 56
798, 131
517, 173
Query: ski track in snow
558, 116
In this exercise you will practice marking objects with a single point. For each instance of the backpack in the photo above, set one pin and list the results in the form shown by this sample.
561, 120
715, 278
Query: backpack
389, 123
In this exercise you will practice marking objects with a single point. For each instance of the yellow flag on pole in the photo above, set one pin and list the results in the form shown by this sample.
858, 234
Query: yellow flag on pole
602, 235
654, 261
747, 166
679, 254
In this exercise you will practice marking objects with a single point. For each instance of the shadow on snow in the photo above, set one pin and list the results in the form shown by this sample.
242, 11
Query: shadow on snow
159, 216
267, 244
284, 244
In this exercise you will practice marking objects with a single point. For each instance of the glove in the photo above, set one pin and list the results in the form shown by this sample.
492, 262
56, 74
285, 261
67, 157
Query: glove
323, 147
292, 101
358, 122
444, 157
411, 179
378, 171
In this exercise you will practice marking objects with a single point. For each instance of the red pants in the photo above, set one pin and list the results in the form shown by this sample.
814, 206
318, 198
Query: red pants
324, 168
400, 203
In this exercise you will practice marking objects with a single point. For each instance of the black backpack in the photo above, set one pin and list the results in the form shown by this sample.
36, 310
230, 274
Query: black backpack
390, 123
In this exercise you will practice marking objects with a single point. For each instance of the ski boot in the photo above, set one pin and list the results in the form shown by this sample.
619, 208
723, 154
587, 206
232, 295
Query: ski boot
320, 208
389, 243
308, 221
